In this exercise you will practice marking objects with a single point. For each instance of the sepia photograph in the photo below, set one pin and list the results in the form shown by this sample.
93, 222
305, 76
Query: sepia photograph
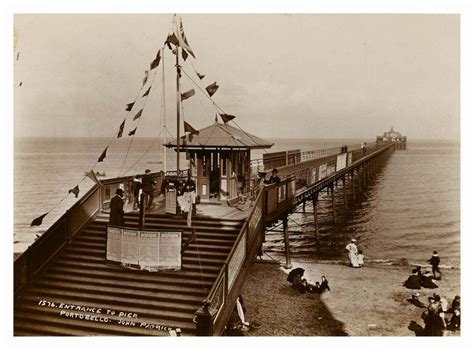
236, 174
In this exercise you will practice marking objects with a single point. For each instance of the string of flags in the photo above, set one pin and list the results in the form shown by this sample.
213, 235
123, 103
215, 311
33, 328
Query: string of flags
75, 190
177, 38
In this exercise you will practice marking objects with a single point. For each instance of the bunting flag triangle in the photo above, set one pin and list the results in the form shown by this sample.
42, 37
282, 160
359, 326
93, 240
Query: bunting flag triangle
103, 155
226, 117
171, 39
138, 115
120, 132
74, 191
39, 220
91, 175
145, 79
190, 129
147, 92
179, 33
201, 76
156, 61
187, 94
184, 54
132, 132
211, 89
129, 106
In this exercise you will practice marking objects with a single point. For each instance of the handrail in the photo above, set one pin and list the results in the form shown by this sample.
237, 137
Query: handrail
321, 183
37, 255
208, 310
306, 155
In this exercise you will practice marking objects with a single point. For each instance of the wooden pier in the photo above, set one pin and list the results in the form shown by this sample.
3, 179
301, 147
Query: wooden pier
67, 266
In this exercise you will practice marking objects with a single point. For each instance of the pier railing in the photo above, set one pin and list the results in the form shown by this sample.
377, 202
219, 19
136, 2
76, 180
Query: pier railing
109, 187
271, 201
283, 158
212, 317
35, 258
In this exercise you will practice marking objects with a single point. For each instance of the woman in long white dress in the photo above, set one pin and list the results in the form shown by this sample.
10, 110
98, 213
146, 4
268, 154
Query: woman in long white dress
352, 248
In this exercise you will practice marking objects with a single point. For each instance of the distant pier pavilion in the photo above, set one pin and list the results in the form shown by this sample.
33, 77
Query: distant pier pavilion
395, 137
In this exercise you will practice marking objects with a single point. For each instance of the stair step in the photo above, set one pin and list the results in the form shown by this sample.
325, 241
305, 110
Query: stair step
36, 318
195, 282
58, 281
186, 265
202, 246
58, 287
152, 315
87, 296
188, 252
61, 261
199, 234
113, 271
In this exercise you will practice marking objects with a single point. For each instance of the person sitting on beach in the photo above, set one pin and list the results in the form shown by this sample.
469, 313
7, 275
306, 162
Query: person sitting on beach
360, 258
427, 281
300, 283
455, 322
434, 262
416, 301
324, 285
413, 281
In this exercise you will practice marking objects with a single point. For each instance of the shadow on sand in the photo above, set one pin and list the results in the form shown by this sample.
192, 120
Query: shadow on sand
283, 311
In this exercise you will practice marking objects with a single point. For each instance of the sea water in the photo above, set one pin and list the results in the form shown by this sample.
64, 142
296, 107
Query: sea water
410, 209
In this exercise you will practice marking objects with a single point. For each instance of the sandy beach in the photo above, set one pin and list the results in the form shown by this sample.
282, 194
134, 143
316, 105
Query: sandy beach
369, 301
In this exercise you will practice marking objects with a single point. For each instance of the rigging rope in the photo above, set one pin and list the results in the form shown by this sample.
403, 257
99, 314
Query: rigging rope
138, 123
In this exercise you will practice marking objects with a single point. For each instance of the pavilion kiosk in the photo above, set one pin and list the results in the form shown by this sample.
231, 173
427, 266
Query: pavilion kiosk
219, 160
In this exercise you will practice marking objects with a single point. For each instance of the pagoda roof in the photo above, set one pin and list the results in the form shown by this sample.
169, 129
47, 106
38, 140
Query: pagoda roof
223, 136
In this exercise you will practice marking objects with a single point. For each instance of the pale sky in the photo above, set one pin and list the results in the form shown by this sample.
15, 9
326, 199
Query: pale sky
309, 76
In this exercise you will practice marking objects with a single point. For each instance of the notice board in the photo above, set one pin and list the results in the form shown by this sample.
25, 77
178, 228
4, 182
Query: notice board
144, 249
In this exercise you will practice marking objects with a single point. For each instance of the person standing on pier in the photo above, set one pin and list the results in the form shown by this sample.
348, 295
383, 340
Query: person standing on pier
434, 262
116, 209
136, 189
274, 178
148, 188
352, 248
187, 199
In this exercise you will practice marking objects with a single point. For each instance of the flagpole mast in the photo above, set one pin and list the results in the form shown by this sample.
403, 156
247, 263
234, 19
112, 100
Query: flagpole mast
163, 115
178, 107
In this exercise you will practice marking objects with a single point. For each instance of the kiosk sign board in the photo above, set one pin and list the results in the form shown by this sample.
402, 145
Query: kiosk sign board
341, 161
144, 249
322, 171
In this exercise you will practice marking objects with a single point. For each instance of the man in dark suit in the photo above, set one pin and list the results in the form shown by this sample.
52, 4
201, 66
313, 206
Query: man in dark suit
148, 187
116, 209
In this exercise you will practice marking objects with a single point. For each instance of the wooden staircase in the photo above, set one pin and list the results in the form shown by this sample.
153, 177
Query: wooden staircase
79, 276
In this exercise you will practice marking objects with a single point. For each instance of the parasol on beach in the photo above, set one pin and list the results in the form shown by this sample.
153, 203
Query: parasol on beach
293, 273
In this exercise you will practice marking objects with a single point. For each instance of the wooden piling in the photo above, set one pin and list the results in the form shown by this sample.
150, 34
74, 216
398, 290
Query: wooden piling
364, 173
333, 203
287, 243
353, 186
316, 227
344, 190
